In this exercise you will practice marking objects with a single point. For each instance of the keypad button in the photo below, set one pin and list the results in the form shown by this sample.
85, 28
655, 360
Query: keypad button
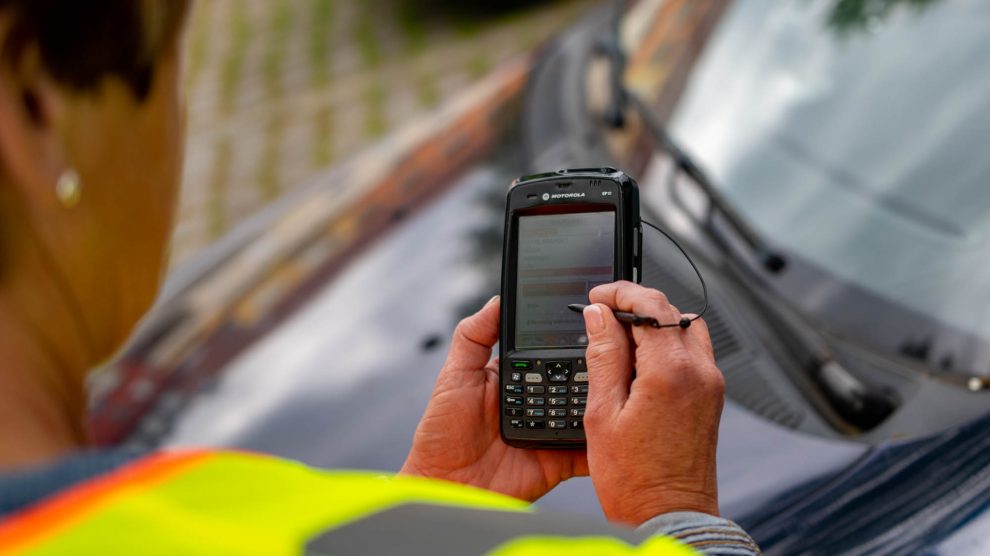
579, 401
579, 389
513, 400
515, 377
513, 389
558, 424
516, 423
557, 389
530, 412
514, 411
578, 412
535, 389
577, 424
558, 401
534, 377
536, 424
581, 377
557, 412
533, 400
522, 364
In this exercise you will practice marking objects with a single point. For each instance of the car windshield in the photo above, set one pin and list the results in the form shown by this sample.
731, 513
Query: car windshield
859, 148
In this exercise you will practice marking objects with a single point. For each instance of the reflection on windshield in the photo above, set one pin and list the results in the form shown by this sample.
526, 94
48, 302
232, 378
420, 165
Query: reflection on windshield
862, 153
850, 16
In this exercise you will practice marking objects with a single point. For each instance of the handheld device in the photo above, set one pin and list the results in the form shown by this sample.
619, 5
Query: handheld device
565, 233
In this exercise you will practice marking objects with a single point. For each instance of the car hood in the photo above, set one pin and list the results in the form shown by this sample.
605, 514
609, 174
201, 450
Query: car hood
343, 382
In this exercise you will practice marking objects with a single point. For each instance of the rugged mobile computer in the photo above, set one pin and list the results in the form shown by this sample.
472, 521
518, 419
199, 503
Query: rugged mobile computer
565, 233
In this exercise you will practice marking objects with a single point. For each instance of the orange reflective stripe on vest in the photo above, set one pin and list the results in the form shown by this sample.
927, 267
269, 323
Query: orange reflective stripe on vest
231, 503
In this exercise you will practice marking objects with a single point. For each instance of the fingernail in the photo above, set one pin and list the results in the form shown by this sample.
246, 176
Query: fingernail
492, 300
593, 319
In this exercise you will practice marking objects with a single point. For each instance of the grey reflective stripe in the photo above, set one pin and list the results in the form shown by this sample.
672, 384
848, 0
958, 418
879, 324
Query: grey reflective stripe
451, 531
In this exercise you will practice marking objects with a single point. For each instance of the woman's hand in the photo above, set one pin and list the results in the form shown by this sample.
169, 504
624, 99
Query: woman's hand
458, 438
652, 437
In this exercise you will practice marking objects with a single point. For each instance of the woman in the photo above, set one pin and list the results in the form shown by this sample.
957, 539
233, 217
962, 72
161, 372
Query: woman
90, 155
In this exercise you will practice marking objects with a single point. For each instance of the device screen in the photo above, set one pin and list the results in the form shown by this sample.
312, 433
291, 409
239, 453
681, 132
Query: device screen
561, 258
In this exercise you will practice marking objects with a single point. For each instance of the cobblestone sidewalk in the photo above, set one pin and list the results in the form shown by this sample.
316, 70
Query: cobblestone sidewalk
280, 90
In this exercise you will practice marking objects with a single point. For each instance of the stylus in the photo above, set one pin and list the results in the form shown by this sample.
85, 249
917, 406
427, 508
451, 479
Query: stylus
622, 316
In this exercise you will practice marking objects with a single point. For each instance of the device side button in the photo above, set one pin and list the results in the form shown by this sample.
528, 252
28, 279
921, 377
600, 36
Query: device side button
638, 255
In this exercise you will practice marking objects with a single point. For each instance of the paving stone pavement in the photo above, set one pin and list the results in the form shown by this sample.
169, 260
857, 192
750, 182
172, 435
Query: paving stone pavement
281, 90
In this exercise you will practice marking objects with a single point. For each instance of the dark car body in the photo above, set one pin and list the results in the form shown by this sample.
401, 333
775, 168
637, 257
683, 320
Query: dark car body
340, 377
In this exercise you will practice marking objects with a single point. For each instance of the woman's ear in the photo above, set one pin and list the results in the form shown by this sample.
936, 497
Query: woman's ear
32, 110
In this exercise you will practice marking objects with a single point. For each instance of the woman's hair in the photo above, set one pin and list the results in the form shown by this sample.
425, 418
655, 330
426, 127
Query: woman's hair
81, 42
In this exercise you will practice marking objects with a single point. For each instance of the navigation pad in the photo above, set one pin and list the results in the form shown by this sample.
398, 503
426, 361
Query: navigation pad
558, 371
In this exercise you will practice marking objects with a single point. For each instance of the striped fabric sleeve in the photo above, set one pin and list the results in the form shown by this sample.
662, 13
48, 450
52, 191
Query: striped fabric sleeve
714, 536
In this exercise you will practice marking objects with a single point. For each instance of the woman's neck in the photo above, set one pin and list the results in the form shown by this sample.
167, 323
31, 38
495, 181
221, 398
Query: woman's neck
44, 357
41, 412
46, 350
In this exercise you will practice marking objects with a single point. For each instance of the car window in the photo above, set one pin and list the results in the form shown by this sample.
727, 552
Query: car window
862, 151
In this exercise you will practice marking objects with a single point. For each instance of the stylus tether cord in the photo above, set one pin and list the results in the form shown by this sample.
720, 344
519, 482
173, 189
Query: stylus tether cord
684, 322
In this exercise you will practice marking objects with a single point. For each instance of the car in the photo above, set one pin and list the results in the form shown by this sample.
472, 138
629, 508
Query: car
822, 166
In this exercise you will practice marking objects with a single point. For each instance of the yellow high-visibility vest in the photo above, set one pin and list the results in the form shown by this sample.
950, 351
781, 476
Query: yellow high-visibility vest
228, 503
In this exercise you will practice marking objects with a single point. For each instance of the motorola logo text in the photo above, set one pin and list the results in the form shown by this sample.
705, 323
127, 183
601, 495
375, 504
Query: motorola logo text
565, 195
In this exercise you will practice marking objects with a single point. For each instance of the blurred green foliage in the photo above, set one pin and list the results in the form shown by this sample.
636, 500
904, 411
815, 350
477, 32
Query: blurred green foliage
322, 152
320, 31
233, 61
375, 118
280, 21
365, 36
268, 180
851, 16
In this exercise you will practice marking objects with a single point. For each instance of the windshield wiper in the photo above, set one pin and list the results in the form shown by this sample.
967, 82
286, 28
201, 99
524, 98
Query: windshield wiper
855, 402
622, 97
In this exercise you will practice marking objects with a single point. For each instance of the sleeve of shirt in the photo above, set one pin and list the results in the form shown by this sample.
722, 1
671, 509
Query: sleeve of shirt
705, 533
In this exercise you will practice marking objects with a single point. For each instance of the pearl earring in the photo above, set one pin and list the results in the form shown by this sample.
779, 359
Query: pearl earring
68, 188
